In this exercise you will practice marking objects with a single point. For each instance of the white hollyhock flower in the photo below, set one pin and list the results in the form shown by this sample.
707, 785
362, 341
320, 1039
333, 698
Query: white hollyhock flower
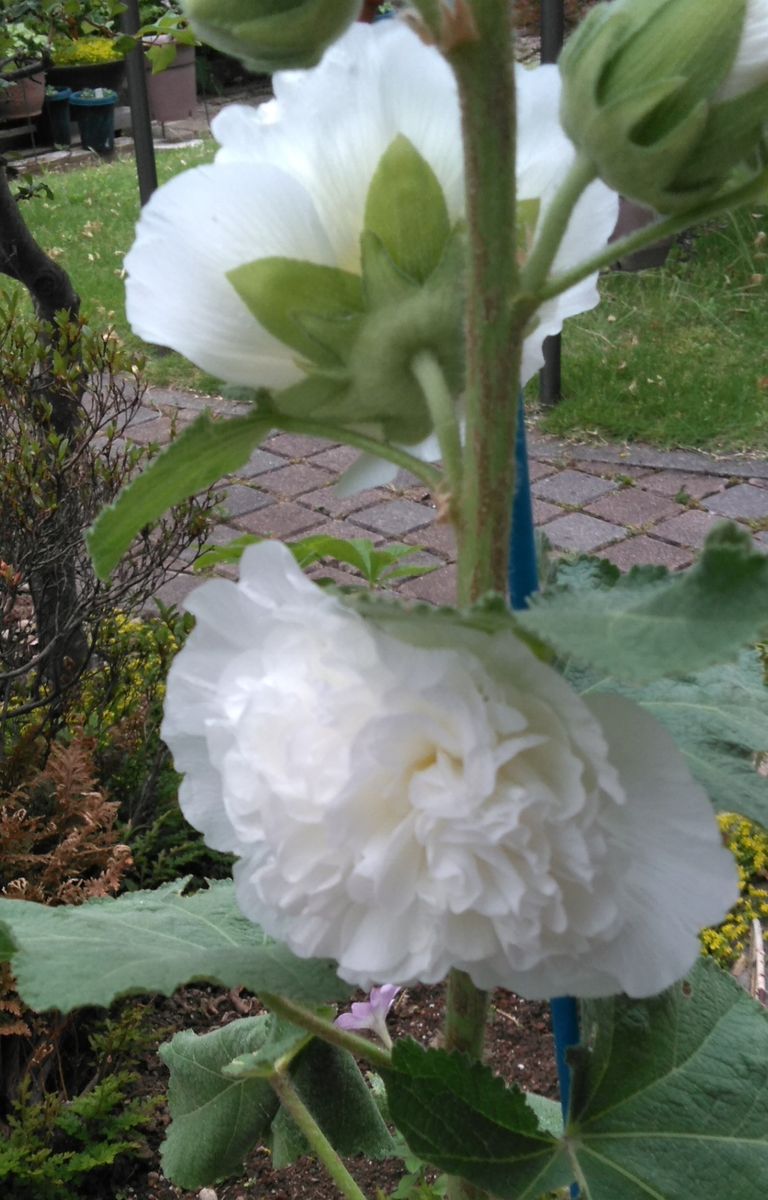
415, 796
291, 179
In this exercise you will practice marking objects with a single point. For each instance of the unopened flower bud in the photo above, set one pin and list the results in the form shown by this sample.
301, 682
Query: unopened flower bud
667, 97
271, 35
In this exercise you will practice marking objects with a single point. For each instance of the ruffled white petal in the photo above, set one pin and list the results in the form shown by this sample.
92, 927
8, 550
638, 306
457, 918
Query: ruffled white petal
410, 796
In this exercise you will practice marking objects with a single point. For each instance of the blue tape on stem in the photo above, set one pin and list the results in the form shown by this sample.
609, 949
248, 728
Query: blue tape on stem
523, 581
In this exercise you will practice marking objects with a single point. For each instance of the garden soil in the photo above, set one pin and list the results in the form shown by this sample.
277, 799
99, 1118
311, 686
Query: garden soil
519, 1048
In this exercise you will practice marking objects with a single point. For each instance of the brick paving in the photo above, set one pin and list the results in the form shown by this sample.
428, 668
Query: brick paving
631, 505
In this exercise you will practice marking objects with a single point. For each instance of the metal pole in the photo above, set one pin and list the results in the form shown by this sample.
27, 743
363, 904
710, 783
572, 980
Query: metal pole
141, 121
552, 30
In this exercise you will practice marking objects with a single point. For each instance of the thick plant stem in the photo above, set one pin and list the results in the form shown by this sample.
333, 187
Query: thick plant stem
319, 1143
466, 1015
483, 64
484, 70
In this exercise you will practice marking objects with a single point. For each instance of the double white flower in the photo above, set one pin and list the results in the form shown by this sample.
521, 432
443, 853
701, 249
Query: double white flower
413, 795
291, 180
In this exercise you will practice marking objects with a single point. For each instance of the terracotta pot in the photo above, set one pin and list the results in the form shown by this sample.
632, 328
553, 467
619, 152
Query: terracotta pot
23, 99
173, 93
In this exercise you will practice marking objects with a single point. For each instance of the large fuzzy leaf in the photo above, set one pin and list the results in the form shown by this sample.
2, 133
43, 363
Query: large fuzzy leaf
91, 954
651, 624
217, 1119
719, 719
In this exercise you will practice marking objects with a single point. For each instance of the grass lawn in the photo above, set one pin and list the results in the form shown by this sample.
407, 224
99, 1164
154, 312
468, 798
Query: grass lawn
674, 357
88, 227
677, 356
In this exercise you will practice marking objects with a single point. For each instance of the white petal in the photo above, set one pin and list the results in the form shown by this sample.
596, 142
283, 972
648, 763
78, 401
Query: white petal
681, 877
750, 67
366, 472
197, 227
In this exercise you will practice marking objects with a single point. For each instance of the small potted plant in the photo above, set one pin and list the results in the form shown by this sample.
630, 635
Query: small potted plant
169, 57
57, 114
22, 45
94, 111
87, 62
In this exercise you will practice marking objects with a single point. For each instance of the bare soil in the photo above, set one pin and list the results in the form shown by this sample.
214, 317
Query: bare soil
519, 1048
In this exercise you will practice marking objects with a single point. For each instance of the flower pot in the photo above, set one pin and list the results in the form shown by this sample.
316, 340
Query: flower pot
88, 75
22, 99
57, 116
95, 117
173, 92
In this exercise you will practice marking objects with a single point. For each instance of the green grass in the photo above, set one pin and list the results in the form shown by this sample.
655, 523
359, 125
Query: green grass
676, 356
88, 228
673, 357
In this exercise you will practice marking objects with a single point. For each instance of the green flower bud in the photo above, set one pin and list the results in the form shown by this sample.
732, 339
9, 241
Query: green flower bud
271, 35
667, 97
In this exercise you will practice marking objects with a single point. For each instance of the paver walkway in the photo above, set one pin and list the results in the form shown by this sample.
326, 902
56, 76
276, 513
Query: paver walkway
628, 504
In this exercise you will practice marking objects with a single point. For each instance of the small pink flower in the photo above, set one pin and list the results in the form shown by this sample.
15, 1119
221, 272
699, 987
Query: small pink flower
372, 1013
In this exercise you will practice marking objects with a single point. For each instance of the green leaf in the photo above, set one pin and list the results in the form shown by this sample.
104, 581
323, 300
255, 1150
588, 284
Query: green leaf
161, 56
650, 625
456, 1115
91, 954
216, 1120
383, 282
671, 1101
719, 720
232, 552
406, 209
283, 1042
329, 1083
280, 292
198, 458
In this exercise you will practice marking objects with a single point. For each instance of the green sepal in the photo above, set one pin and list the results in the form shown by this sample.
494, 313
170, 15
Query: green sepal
197, 459
216, 1119
383, 282
283, 293
406, 209
271, 35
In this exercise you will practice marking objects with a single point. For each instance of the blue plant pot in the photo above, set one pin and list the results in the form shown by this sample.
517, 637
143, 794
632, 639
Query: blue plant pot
95, 117
57, 115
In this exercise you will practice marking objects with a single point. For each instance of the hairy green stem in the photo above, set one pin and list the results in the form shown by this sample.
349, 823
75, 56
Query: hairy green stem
442, 409
394, 454
295, 1107
664, 227
554, 224
466, 1015
305, 1019
484, 70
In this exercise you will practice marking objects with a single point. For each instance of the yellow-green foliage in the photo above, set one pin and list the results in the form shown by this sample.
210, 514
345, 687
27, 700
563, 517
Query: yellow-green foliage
749, 845
85, 51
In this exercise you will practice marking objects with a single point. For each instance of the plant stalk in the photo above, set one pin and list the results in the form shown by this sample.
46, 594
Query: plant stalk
442, 410
495, 322
359, 1046
295, 1107
554, 224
